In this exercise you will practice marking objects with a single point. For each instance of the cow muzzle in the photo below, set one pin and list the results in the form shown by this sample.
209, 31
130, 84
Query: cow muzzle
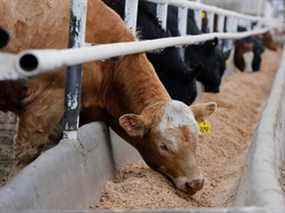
189, 186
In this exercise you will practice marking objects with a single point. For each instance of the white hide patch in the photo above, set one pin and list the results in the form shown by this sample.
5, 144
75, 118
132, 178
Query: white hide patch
178, 114
248, 58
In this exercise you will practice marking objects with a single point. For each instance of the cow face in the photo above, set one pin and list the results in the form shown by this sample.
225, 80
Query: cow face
248, 53
243, 50
169, 142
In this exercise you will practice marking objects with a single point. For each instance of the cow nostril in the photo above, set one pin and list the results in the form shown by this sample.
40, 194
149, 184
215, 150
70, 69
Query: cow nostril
194, 186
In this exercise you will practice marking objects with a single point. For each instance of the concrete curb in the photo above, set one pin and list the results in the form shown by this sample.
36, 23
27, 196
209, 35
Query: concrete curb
64, 177
70, 175
260, 185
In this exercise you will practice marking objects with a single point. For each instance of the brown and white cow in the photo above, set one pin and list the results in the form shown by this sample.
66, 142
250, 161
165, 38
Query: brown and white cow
243, 53
125, 92
269, 42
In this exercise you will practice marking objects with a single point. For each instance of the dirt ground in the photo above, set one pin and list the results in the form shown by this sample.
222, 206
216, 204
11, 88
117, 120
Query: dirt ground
221, 155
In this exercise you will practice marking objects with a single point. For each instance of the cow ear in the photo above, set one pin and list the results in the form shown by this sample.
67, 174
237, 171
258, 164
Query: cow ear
215, 41
133, 124
203, 111
211, 43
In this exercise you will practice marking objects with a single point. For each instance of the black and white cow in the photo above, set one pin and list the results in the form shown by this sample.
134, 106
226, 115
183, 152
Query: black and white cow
177, 77
207, 55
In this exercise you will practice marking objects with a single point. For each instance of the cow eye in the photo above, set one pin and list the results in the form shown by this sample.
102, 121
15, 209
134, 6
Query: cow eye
164, 147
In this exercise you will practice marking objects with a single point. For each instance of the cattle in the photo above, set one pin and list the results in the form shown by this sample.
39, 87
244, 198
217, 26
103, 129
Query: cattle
124, 92
208, 56
255, 44
260, 43
258, 50
243, 48
206, 60
177, 77
268, 41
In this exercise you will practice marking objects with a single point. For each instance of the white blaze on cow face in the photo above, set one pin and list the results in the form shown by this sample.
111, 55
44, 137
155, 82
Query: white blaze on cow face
248, 58
177, 114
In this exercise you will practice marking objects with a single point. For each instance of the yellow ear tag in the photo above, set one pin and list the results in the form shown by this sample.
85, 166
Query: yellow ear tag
205, 127
203, 14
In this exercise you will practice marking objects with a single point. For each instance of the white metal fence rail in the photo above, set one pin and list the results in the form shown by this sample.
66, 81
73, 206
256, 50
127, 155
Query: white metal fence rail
46, 60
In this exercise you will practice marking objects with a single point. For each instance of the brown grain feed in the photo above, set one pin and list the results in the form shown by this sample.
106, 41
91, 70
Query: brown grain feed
221, 155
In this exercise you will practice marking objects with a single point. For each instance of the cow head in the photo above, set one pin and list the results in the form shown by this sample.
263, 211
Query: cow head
212, 61
243, 49
269, 42
168, 138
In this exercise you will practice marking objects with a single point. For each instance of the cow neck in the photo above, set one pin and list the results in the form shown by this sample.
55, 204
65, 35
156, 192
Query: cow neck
134, 83
12, 93
134, 87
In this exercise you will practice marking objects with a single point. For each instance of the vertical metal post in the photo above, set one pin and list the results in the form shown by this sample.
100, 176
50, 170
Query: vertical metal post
182, 25
211, 21
78, 12
161, 13
249, 25
234, 24
182, 20
228, 27
221, 23
198, 18
131, 14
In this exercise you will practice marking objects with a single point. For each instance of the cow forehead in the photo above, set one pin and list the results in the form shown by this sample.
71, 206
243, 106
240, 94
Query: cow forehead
177, 114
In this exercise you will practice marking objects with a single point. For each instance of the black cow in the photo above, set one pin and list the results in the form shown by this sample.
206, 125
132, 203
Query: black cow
208, 55
258, 49
177, 77
251, 43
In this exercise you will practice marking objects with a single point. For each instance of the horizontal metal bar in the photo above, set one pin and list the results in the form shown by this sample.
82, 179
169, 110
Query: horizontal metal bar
51, 59
213, 9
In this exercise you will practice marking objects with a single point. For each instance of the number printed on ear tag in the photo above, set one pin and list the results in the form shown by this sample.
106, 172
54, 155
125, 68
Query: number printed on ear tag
205, 127
203, 14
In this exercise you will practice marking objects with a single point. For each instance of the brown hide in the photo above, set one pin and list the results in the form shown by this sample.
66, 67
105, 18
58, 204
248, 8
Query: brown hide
240, 49
125, 92
269, 42
44, 24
